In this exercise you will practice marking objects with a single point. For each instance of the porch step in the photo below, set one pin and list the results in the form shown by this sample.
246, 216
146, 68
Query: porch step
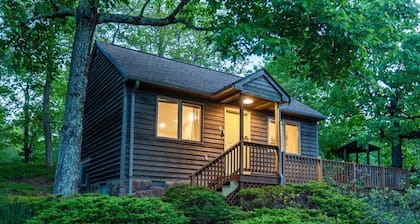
229, 188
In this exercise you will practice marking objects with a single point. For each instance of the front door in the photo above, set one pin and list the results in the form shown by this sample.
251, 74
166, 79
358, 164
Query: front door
232, 123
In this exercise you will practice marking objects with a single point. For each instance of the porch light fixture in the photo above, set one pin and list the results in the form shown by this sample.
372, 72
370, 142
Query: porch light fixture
248, 101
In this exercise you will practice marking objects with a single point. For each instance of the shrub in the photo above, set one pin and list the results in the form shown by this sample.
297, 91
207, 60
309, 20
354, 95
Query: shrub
14, 212
199, 204
395, 207
287, 215
105, 209
320, 196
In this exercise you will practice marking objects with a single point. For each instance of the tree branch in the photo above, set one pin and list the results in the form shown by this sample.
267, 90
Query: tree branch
146, 21
412, 135
62, 13
144, 7
178, 9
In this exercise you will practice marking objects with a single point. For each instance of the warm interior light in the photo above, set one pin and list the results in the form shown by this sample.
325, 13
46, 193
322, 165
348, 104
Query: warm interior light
162, 125
248, 101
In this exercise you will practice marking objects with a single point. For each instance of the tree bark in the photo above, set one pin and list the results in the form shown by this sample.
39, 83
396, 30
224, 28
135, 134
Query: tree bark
67, 174
26, 145
397, 153
46, 121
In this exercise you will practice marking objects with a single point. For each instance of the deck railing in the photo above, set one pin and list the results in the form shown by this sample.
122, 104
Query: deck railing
301, 169
253, 158
263, 160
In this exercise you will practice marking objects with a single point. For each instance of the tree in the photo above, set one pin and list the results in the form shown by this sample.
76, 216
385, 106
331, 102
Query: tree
32, 54
358, 107
88, 14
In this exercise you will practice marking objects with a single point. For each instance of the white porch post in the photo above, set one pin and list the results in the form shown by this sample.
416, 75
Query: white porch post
277, 115
241, 135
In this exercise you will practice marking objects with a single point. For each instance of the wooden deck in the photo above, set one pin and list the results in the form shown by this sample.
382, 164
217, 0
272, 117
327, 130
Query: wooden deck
257, 165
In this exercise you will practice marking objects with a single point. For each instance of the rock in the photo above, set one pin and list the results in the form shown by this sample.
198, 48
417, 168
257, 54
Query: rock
145, 184
135, 185
158, 191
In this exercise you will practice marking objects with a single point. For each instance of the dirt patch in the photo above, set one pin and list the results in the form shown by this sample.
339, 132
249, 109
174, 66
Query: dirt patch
40, 185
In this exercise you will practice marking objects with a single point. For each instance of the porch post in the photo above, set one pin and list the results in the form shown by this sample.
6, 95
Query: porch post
277, 115
241, 135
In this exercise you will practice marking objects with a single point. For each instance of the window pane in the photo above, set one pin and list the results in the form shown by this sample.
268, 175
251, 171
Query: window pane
272, 132
191, 122
292, 138
167, 122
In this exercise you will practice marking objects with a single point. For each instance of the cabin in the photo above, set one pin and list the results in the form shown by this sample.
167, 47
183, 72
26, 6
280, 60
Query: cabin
152, 122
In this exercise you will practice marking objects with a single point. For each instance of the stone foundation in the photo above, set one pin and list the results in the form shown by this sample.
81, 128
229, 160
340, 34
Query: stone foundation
140, 188
148, 188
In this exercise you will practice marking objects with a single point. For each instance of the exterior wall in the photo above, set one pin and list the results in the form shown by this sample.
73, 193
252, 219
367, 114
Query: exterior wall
167, 160
308, 136
102, 124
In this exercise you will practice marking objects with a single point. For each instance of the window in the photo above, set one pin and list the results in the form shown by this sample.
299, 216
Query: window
272, 132
178, 120
292, 138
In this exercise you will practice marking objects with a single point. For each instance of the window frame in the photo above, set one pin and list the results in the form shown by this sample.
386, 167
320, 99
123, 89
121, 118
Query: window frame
298, 125
269, 121
180, 104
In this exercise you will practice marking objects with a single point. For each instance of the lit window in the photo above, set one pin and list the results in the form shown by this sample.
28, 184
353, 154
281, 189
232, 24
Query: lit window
292, 138
191, 122
272, 132
168, 120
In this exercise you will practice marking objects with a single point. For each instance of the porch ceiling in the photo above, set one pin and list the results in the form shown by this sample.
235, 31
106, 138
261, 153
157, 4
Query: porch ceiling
257, 104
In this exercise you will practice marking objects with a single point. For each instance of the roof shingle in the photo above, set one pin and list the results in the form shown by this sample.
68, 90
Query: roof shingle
171, 73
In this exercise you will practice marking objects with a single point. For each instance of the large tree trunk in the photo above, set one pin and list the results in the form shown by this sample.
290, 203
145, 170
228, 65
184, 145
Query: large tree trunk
396, 141
67, 174
397, 153
46, 121
26, 145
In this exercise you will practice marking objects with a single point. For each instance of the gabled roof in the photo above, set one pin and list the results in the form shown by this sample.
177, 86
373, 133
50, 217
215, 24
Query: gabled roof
170, 73
296, 107
166, 72
251, 85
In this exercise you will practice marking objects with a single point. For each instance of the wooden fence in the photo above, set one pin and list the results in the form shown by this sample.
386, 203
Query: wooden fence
301, 169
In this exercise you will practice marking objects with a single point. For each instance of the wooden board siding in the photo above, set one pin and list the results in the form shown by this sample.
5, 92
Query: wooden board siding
308, 136
162, 159
102, 121
259, 127
260, 87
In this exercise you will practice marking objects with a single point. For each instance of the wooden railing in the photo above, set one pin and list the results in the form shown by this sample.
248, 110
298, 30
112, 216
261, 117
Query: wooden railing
301, 169
253, 158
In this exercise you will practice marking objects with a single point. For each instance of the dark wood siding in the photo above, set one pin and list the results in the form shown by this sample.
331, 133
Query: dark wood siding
102, 121
308, 136
172, 160
259, 127
161, 159
261, 87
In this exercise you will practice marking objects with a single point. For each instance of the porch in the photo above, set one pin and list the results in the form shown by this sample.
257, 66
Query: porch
248, 164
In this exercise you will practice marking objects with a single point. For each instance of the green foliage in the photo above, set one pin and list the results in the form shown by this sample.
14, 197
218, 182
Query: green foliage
199, 204
342, 207
14, 212
287, 215
20, 170
395, 207
105, 209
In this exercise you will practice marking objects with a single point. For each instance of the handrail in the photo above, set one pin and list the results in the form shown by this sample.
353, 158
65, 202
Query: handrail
258, 158
217, 158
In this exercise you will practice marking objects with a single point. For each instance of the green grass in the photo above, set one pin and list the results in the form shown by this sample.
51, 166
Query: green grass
20, 170
26, 182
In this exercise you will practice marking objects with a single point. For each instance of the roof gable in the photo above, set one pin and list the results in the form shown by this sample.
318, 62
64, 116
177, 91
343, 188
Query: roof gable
262, 85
